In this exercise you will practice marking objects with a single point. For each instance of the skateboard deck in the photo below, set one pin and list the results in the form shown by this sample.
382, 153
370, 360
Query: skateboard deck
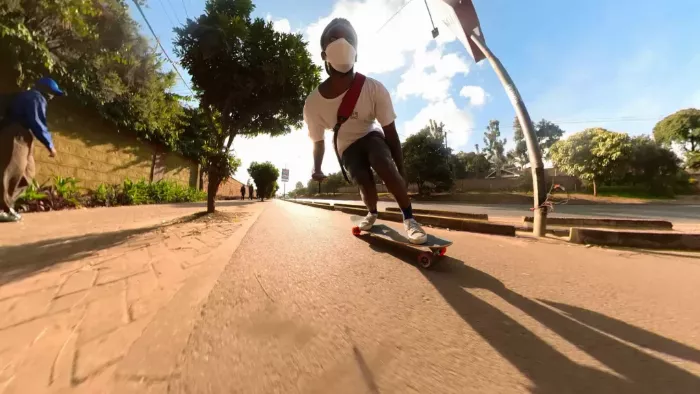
436, 247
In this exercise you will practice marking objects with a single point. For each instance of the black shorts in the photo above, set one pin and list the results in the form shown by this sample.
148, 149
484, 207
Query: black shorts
364, 154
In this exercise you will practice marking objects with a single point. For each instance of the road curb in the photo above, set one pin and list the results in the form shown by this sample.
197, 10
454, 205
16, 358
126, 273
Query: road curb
315, 205
350, 206
635, 239
154, 355
448, 214
471, 226
606, 222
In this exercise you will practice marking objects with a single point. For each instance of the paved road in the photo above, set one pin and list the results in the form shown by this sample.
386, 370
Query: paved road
674, 213
304, 307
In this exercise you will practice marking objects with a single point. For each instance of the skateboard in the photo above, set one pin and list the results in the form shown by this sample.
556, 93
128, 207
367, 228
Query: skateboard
436, 247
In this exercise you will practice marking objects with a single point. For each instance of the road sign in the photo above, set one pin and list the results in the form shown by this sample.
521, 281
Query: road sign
460, 17
285, 175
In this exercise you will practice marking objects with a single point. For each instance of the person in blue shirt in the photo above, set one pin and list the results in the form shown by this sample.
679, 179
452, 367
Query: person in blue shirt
23, 121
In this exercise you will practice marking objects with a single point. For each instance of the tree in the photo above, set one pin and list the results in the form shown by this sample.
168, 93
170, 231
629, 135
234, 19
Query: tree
495, 147
652, 165
682, 127
477, 165
95, 52
426, 160
594, 155
458, 164
198, 140
265, 177
692, 160
334, 182
312, 187
255, 78
546, 133
299, 190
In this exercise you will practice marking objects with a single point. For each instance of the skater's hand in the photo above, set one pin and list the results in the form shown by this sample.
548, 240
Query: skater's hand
318, 176
52, 152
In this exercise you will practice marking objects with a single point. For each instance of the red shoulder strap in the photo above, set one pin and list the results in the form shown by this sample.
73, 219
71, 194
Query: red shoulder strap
350, 100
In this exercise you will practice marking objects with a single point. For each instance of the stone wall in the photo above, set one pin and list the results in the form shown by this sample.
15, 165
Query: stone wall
229, 189
94, 151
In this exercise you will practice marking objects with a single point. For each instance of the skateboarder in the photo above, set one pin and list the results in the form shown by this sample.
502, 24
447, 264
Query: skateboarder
367, 139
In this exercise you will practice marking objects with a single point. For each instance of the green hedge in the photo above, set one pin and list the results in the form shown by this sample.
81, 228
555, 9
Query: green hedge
64, 193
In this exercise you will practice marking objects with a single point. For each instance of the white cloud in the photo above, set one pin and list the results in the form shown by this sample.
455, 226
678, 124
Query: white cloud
430, 74
282, 26
279, 25
475, 94
382, 50
458, 122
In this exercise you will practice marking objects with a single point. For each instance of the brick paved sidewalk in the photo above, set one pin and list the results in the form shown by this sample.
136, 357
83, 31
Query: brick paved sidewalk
71, 307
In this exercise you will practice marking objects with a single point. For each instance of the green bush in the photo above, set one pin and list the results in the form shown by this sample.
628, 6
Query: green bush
33, 199
65, 193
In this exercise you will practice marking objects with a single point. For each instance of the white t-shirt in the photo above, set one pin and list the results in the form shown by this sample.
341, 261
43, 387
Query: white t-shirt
373, 111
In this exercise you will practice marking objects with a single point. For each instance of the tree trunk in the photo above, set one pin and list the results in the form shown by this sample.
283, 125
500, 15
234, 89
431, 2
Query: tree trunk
595, 188
212, 187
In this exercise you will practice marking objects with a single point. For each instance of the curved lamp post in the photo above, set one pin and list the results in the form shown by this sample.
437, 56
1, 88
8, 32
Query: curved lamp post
460, 17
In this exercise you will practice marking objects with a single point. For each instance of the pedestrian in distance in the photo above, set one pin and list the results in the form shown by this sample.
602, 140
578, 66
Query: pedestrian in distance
251, 191
361, 114
242, 192
22, 122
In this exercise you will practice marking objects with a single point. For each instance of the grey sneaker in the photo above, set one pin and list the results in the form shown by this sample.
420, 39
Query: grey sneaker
367, 223
9, 217
15, 213
416, 234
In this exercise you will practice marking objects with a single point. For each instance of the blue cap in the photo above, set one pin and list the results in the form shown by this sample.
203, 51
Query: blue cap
51, 85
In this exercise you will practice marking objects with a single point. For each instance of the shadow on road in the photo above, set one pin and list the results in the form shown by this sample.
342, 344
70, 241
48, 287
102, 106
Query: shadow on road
20, 261
627, 332
551, 371
219, 203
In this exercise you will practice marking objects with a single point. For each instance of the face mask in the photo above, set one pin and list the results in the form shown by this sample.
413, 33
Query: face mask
341, 55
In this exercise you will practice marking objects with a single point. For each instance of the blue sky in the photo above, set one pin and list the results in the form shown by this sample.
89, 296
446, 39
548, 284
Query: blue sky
618, 64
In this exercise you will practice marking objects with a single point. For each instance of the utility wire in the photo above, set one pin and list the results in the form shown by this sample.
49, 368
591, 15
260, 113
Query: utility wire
185, 8
167, 14
393, 16
170, 4
161, 46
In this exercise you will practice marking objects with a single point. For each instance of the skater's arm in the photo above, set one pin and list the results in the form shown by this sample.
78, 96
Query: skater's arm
392, 139
319, 150
316, 130
384, 110
35, 120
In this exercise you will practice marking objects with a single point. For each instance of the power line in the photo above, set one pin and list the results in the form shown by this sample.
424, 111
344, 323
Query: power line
170, 4
161, 46
185, 8
393, 16
165, 12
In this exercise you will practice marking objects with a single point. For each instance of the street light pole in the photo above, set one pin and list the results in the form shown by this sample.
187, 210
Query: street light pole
533, 148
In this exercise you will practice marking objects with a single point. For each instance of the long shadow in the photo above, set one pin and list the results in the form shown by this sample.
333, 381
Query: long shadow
550, 371
628, 332
20, 261
219, 203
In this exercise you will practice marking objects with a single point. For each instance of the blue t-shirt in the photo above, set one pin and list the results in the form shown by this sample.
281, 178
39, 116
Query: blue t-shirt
29, 109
